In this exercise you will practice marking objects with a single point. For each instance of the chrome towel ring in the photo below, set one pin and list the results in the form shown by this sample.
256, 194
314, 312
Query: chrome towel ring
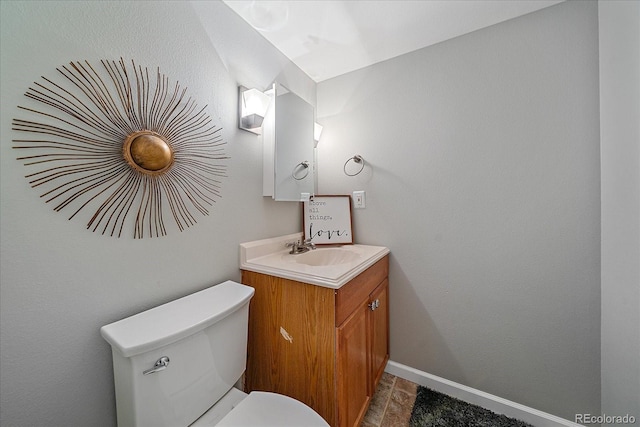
302, 166
356, 159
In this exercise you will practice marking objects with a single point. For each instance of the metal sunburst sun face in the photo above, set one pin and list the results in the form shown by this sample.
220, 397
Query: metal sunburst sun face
147, 152
113, 141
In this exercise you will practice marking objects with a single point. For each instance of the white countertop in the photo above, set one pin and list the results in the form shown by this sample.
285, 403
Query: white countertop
270, 256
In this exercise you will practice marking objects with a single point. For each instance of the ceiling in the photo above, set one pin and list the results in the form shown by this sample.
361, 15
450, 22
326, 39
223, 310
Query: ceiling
327, 38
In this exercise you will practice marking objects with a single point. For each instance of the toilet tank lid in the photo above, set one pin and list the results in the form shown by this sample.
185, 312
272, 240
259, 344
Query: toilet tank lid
175, 320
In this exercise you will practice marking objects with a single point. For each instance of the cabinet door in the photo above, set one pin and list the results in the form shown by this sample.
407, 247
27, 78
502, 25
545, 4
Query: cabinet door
379, 329
291, 345
353, 369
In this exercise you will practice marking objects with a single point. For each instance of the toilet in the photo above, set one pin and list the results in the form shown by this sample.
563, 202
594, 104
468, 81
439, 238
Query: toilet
178, 365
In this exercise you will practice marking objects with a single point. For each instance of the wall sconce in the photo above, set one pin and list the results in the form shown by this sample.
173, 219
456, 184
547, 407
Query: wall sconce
317, 131
252, 107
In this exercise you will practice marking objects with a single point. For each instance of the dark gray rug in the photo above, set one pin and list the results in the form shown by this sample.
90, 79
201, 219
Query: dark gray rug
433, 409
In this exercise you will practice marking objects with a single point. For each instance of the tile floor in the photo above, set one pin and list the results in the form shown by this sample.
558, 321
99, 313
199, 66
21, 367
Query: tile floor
391, 404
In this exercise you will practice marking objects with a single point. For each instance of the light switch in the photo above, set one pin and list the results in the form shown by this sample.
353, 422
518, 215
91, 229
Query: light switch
359, 200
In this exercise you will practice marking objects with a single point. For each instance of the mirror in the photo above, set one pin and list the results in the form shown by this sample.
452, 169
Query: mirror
288, 146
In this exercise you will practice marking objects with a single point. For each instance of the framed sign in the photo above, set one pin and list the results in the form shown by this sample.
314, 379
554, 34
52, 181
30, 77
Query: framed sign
327, 220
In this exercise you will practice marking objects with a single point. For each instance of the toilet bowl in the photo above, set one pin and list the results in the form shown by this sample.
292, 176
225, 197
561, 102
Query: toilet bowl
177, 365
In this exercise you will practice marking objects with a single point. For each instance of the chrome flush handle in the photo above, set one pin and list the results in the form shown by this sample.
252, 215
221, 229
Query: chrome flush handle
160, 365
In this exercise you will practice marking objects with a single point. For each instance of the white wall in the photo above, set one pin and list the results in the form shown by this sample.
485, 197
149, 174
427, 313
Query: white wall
483, 179
619, 23
59, 282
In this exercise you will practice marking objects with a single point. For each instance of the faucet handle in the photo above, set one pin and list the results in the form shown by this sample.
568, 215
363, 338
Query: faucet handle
295, 247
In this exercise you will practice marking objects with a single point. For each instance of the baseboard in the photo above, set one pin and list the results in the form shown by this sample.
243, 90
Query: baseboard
477, 397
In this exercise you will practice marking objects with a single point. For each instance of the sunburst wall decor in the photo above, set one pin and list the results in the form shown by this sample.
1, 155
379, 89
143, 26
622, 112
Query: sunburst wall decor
124, 144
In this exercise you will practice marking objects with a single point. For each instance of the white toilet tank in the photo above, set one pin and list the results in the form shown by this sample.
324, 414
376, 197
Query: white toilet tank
203, 336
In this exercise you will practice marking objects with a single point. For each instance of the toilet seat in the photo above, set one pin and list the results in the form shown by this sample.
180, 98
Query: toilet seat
264, 409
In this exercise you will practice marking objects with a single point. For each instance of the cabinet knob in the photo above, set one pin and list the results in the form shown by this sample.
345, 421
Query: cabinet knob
374, 304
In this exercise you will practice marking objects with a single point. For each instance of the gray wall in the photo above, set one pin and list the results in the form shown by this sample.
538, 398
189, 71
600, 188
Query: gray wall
59, 282
619, 25
483, 179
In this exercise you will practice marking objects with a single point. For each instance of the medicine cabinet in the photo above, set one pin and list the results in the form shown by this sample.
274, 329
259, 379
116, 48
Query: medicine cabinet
288, 161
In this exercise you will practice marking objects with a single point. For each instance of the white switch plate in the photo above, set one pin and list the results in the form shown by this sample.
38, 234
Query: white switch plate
359, 200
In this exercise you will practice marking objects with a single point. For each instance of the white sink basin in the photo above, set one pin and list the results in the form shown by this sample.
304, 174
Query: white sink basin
326, 256
330, 267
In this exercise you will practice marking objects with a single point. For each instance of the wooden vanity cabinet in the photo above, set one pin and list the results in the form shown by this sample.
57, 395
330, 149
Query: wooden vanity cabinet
325, 347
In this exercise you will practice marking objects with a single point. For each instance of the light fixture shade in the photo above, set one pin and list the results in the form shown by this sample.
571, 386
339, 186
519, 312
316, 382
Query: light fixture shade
317, 131
252, 107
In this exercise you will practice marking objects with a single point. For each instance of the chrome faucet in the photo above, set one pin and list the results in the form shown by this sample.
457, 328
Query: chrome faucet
299, 248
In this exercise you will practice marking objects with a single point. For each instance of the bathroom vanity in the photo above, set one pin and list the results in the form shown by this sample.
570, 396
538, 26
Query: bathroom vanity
321, 340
